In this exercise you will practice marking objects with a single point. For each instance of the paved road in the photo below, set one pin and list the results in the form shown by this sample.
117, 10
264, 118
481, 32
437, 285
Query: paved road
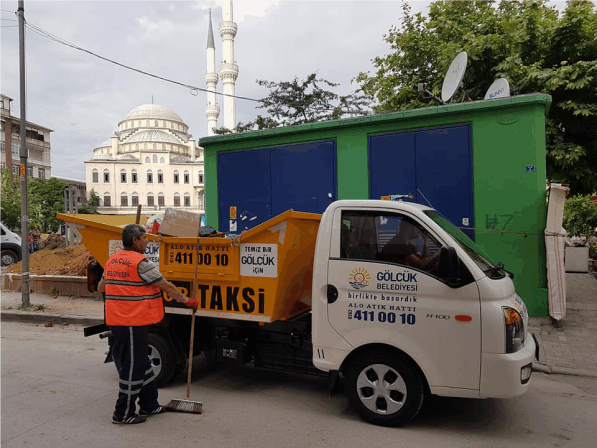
57, 393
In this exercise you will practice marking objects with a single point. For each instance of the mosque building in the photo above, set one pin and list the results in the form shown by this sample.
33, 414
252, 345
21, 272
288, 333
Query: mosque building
151, 159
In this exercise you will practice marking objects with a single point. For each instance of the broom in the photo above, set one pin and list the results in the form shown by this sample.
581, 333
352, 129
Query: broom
193, 407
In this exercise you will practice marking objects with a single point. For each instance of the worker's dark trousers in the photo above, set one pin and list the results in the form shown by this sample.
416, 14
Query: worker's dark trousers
134, 369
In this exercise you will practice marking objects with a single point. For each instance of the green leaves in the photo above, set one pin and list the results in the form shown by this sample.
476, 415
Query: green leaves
580, 216
526, 42
303, 101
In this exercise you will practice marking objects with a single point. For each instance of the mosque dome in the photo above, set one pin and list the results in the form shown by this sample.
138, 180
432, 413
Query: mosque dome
153, 112
153, 136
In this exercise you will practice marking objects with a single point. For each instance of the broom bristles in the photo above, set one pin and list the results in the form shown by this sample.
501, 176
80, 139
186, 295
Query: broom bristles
193, 407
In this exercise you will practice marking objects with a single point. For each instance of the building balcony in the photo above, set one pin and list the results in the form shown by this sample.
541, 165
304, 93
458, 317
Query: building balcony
227, 29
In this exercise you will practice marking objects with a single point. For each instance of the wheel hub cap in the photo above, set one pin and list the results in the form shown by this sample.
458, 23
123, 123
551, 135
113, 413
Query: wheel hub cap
381, 389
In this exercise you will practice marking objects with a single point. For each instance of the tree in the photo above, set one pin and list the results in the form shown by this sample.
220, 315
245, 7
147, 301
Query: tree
94, 200
303, 101
580, 216
46, 198
528, 43
10, 205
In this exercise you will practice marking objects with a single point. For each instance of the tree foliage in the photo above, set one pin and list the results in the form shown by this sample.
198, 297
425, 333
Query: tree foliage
527, 42
10, 204
45, 198
303, 101
580, 216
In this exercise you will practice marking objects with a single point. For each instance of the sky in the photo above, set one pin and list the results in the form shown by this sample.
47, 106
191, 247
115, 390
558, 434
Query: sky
82, 98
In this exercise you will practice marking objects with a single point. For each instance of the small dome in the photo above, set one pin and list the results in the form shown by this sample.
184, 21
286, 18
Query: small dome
106, 144
153, 111
178, 159
153, 136
129, 157
102, 157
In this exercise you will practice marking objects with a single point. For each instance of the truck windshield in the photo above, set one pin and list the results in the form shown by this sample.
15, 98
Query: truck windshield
478, 255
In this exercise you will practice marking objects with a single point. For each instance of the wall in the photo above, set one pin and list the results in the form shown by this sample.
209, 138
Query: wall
508, 135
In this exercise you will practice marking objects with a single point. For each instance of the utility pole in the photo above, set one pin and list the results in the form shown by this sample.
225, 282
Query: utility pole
23, 167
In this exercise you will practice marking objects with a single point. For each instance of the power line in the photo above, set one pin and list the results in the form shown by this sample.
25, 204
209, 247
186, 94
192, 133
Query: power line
55, 38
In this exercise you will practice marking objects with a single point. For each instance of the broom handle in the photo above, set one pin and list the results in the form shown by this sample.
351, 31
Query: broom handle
194, 296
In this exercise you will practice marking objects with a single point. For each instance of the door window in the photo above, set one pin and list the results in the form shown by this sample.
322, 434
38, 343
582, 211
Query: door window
388, 238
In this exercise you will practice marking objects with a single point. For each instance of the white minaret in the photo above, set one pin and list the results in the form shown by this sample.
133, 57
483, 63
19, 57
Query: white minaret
212, 110
228, 69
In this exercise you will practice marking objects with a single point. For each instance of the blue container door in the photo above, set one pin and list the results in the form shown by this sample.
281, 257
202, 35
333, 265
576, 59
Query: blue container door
244, 183
434, 165
303, 177
263, 183
392, 159
444, 173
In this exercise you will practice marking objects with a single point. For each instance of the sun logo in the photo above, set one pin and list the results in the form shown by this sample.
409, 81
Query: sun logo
359, 278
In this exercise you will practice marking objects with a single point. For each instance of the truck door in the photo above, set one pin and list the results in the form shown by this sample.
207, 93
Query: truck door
385, 267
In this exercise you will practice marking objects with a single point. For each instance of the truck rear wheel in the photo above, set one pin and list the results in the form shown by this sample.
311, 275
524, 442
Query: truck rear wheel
161, 357
384, 388
8, 258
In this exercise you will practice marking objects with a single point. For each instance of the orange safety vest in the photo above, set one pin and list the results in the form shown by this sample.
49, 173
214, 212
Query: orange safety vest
130, 301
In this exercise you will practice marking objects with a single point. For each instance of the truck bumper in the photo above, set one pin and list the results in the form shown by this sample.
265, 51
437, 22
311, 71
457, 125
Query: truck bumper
507, 375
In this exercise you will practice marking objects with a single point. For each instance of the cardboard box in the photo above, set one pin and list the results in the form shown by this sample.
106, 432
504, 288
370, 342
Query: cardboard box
180, 223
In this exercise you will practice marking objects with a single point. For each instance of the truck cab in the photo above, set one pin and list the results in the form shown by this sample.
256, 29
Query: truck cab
404, 304
10, 246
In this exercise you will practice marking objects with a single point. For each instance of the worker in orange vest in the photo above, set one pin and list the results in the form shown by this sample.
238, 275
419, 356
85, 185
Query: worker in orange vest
133, 288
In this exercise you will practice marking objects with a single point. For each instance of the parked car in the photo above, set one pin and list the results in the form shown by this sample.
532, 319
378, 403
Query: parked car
11, 246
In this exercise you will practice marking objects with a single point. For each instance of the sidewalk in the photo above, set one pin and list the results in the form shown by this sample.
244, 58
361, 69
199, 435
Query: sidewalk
570, 347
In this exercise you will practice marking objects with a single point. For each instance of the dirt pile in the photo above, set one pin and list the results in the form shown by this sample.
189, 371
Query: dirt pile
68, 261
53, 241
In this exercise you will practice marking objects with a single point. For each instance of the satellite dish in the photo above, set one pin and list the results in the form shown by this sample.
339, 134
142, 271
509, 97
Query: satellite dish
454, 76
499, 89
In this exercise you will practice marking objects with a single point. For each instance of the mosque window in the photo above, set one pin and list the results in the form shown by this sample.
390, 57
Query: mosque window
124, 200
147, 159
134, 199
95, 176
149, 177
147, 123
163, 146
155, 147
150, 199
187, 200
144, 145
176, 179
160, 177
185, 177
137, 147
161, 199
134, 176
155, 123
107, 176
161, 160
107, 200
123, 176
155, 158
200, 180
177, 199
165, 124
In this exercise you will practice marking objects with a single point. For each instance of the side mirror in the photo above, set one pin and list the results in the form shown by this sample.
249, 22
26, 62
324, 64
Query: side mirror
449, 266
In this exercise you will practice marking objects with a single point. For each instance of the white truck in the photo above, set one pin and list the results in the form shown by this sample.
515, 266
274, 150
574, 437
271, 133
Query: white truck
402, 304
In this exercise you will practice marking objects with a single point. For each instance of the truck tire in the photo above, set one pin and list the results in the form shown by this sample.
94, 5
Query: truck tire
161, 357
384, 388
8, 257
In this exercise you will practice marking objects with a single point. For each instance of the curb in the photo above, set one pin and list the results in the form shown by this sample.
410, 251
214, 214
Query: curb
32, 317
555, 370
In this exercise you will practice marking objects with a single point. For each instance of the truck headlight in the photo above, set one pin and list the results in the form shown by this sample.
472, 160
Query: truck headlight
525, 373
514, 330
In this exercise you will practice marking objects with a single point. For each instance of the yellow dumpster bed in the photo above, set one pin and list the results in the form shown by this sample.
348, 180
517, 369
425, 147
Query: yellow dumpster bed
262, 275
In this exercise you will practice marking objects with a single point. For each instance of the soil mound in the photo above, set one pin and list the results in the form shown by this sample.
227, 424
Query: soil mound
67, 261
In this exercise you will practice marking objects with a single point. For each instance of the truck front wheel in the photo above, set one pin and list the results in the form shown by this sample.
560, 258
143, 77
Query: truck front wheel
384, 388
161, 357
